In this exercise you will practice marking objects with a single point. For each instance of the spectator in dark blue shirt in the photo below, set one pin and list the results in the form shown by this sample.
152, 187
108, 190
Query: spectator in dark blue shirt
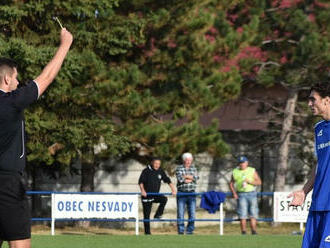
149, 182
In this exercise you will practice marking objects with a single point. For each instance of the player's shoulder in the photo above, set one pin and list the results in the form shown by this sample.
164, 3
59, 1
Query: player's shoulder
318, 124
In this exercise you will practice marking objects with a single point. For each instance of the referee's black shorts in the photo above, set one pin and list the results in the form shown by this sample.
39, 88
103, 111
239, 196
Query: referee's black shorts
15, 223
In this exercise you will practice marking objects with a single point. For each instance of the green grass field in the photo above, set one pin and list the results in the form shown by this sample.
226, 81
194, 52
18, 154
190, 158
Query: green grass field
165, 241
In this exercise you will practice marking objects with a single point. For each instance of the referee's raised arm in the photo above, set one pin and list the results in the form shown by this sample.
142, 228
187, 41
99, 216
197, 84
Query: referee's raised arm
52, 68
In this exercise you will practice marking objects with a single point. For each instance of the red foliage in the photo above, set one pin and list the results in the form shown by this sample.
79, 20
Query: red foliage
283, 4
311, 17
150, 52
213, 30
217, 58
287, 34
250, 52
233, 17
283, 59
321, 4
239, 30
171, 44
255, 69
210, 38
226, 68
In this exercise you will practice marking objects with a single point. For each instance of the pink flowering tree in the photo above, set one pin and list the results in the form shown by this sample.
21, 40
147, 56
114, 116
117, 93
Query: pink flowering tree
290, 49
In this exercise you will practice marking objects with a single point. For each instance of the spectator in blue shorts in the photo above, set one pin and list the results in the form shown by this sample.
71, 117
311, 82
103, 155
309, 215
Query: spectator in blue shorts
243, 186
317, 231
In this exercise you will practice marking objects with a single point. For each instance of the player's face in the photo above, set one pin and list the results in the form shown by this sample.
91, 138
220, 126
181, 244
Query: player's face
13, 82
317, 104
156, 164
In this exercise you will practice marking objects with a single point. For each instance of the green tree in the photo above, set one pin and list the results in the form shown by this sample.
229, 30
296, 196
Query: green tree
173, 77
294, 39
299, 44
136, 82
66, 124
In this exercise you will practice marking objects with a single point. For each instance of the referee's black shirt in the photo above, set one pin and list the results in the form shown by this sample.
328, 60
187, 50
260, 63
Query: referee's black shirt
151, 179
12, 133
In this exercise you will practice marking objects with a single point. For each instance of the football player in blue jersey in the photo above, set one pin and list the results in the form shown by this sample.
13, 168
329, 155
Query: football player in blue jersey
317, 232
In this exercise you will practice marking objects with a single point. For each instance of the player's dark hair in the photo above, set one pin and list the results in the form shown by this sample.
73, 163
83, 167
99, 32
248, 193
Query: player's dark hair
7, 65
322, 88
8, 62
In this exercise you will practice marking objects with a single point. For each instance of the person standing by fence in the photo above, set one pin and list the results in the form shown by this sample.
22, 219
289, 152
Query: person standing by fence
187, 177
149, 182
243, 186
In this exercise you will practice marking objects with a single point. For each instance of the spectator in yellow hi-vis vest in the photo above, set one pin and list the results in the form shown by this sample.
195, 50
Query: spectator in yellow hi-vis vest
243, 186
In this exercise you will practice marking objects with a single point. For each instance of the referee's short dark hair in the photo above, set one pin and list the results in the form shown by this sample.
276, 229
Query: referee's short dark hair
7, 66
8, 62
322, 88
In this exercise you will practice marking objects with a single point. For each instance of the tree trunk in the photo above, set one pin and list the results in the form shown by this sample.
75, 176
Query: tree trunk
87, 177
32, 172
36, 199
283, 150
86, 184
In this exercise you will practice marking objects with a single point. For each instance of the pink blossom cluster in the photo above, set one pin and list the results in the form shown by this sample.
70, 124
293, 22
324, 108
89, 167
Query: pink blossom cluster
283, 4
211, 34
277, 34
152, 47
321, 4
171, 43
246, 53
210, 38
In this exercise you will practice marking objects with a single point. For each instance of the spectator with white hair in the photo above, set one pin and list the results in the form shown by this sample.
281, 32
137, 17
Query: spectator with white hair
187, 177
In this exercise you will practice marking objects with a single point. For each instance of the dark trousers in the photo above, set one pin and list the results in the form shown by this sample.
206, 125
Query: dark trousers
147, 204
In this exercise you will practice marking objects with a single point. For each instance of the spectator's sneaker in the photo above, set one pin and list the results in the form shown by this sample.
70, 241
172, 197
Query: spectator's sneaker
243, 232
189, 233
254, 232
158, 217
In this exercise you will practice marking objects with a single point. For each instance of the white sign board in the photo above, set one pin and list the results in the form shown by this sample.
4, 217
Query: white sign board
283, 212
81, 206
91, 206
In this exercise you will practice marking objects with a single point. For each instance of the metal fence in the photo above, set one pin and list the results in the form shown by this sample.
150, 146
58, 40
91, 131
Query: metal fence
220, 218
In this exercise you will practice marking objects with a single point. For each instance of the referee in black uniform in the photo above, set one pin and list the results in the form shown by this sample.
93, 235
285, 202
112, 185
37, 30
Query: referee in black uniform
15, 223
149, 182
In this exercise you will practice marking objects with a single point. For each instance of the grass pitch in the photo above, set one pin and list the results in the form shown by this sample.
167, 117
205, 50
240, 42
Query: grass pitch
165, 241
